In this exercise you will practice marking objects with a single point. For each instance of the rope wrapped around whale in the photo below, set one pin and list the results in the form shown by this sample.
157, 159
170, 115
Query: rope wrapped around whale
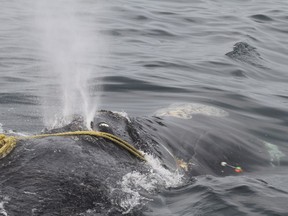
8, 143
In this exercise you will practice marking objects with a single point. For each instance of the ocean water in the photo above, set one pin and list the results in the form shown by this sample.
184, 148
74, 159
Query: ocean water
63, 57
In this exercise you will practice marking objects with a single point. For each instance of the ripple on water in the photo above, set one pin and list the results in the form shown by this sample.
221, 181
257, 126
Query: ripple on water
212, 196
238, 73
261, 18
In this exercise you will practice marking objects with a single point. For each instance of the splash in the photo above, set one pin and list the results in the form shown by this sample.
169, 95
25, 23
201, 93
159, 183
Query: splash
134, 184
70, 47
3, 201
274, 152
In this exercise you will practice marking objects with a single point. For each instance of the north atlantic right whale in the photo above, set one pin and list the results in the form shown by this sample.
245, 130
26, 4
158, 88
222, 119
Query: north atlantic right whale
84, 175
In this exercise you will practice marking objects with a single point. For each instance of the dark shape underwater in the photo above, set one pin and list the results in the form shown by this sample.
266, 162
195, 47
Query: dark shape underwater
80, 175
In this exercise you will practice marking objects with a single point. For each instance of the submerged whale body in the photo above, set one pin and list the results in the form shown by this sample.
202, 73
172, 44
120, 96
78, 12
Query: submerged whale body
84, 175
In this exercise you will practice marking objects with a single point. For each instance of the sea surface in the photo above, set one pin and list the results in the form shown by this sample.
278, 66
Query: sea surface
61, 57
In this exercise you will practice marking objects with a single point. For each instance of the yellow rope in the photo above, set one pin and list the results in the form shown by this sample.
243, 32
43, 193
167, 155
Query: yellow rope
8, 143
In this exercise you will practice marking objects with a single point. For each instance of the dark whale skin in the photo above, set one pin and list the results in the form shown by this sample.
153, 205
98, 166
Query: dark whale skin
72, 175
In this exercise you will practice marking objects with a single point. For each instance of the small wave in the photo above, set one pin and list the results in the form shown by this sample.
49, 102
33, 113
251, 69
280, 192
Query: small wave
159, 32
18, 98
238, 73
261, 18
240, 195
127, 84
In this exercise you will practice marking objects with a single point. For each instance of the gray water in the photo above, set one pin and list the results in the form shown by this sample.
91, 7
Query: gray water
140, 56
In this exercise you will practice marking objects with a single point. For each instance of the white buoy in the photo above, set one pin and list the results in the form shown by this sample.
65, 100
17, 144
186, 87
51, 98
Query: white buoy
223, 163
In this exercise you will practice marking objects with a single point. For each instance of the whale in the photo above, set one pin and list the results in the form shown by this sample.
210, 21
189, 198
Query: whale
86, 175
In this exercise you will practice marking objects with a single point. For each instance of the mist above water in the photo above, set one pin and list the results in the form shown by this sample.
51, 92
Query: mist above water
68, 46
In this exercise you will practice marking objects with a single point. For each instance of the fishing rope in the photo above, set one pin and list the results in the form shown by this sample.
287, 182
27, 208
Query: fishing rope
8, 143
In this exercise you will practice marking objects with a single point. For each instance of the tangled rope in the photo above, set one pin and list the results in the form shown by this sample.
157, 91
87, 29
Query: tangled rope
8, 143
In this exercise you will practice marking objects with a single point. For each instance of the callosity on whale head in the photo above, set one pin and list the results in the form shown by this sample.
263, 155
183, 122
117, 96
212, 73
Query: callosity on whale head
187, 110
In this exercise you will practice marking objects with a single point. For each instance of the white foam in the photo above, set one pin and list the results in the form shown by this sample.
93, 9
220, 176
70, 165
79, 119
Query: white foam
274, 153
131, 200
122, 114
134, 183
167, 177
186, 111
4, 200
